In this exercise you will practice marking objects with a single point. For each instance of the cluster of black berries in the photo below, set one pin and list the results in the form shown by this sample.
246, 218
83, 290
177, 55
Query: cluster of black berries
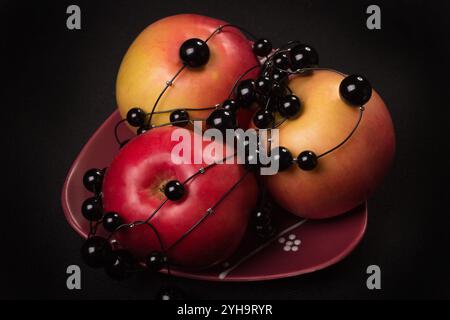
271, 90
97, 252
268, 90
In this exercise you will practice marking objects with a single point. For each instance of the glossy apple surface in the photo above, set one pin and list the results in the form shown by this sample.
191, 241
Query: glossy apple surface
153, 59
346, 177
133, 187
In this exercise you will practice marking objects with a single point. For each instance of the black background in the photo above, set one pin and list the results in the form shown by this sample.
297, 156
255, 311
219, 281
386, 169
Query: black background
59, 87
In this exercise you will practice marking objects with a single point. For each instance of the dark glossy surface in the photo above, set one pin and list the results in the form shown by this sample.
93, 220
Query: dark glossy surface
307, 160
122, 265
179, 118
111, 220
263, 119
281, 60
245, 92
174, 190
92, 209
279, 76
92, 180
221, 119
283, 157
303, 56
155, 261
194, 52
230, 105
170, 293
262, 47
278, 90
136, 117
142, 129
261, 217
96, 252
263, 84
289, 106
355, 90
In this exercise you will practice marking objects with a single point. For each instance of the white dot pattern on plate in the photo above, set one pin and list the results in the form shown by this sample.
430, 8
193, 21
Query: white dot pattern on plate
291, 245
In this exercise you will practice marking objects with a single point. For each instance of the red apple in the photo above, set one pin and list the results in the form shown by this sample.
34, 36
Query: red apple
346, 177
133, 187
153, 59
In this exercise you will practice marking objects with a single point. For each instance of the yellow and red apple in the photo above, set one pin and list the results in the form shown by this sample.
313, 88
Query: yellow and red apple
345, 177
153, 59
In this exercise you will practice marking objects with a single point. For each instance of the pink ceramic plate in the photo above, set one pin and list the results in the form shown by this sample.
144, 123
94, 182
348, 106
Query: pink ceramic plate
301, 246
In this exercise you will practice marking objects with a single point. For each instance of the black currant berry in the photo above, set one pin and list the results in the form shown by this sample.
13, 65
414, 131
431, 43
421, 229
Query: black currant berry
122, 265
230, 105
263, 119
194, 52
279, 76
282, 157
261, 217
266, 72
355, 90
179, 118
303, 56
170, 293
174, 190
263, 84
142, 129
221, 119
272, 104
155, 261
93, 179
289, 106
281, 60
245, 92
262, 47
97, 252
307, 160
278, 90
92, 209
261, 100
111, 220
136, 117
